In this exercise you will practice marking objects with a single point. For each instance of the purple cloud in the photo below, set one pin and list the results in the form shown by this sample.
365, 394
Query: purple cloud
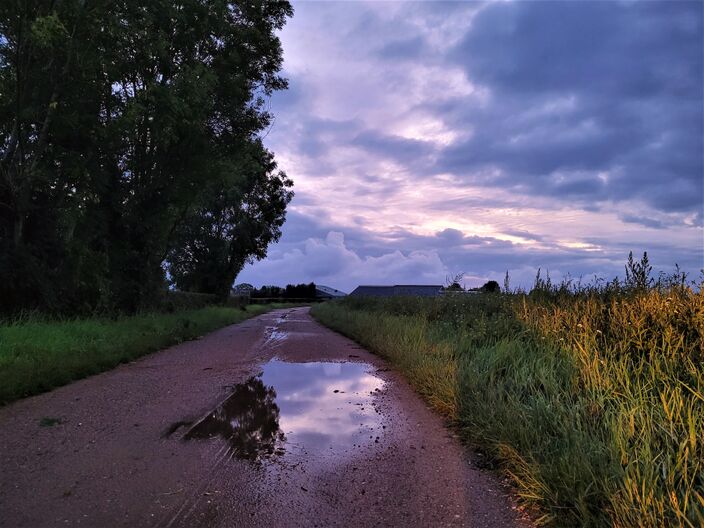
427, 139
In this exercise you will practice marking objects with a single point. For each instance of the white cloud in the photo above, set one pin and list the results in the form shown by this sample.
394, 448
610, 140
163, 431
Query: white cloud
329, 261
404, 120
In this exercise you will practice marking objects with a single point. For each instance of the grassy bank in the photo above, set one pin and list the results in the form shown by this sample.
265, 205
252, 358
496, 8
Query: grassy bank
593, 403
37, 356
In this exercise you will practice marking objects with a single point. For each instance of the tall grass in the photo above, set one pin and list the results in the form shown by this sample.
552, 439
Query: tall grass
36, 355
592, 401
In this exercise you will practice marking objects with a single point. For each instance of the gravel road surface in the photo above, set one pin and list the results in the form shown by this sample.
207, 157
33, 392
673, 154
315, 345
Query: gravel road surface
276, 421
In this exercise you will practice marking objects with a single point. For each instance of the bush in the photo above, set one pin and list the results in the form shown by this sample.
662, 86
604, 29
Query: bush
173, 301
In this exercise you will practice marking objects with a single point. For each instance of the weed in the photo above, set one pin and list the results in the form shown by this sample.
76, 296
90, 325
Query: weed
590, 398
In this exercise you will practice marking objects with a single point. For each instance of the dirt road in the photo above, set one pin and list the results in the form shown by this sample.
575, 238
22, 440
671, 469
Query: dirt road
276, 421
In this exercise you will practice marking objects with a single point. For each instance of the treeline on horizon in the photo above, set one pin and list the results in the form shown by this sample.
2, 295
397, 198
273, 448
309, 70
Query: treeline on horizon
130, 151
291, 291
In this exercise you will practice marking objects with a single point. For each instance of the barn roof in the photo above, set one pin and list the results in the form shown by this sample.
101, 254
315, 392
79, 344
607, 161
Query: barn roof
420, 290
327, 290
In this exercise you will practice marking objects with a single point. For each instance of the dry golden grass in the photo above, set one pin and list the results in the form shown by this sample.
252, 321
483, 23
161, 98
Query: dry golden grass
592, 402
640, 359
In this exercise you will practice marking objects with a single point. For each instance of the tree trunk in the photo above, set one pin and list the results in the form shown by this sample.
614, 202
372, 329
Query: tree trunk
18, 230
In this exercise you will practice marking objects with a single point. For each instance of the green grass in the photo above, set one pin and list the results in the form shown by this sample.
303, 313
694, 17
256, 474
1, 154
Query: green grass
36, 356
592, 404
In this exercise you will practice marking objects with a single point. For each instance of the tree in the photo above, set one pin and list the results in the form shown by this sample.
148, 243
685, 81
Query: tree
491, 287
115, 117
240, 215
48, 102
453, 283
300, 291
248, 421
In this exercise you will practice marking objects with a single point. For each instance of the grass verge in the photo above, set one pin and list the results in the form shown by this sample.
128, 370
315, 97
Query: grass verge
37, 356
593, 405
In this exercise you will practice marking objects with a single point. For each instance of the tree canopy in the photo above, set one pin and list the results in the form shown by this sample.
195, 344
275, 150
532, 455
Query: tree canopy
291, 291
129, 145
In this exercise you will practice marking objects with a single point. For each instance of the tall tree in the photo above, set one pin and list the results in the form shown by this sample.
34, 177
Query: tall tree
47, 115
114, 117
240, 215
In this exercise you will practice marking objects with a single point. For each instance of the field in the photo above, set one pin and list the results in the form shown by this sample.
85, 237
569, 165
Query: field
591, 401
37, 355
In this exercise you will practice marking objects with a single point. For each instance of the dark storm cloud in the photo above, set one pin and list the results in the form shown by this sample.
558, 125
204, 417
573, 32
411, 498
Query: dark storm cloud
641, 220
394, 147
404, 49
316, 137
583, 88
590, 102
574, 129
635, 49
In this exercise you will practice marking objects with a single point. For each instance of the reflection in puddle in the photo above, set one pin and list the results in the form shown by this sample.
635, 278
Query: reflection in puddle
248, 420
309, 407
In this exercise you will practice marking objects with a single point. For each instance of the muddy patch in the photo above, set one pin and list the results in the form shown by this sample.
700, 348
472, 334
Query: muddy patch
314, 408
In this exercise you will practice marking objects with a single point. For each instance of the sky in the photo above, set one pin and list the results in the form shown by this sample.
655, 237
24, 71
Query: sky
429, 139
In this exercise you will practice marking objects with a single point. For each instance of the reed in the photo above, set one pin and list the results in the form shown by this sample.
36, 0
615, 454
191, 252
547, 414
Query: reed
590, 399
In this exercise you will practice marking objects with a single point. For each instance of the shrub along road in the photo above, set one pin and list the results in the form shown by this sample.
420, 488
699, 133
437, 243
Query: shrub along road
112, 449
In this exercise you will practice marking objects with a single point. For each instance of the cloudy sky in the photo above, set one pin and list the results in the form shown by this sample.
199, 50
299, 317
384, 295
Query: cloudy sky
427, 139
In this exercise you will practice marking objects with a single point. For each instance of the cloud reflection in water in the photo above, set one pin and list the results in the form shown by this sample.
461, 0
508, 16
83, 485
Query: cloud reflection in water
319, 406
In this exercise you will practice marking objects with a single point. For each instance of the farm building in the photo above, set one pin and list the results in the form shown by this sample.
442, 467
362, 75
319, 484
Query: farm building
420, 290
326, 292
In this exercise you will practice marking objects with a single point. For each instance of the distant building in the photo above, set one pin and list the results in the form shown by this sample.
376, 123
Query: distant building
242, 290
419, 290
326, 292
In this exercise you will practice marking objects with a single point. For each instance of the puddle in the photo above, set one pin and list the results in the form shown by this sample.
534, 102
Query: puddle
275, 337
248, 420
309, 408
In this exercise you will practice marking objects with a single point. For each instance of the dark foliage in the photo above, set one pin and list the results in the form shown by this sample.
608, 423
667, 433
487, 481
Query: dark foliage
298, 291
240, 214
127, 130
491, 287
248, 421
